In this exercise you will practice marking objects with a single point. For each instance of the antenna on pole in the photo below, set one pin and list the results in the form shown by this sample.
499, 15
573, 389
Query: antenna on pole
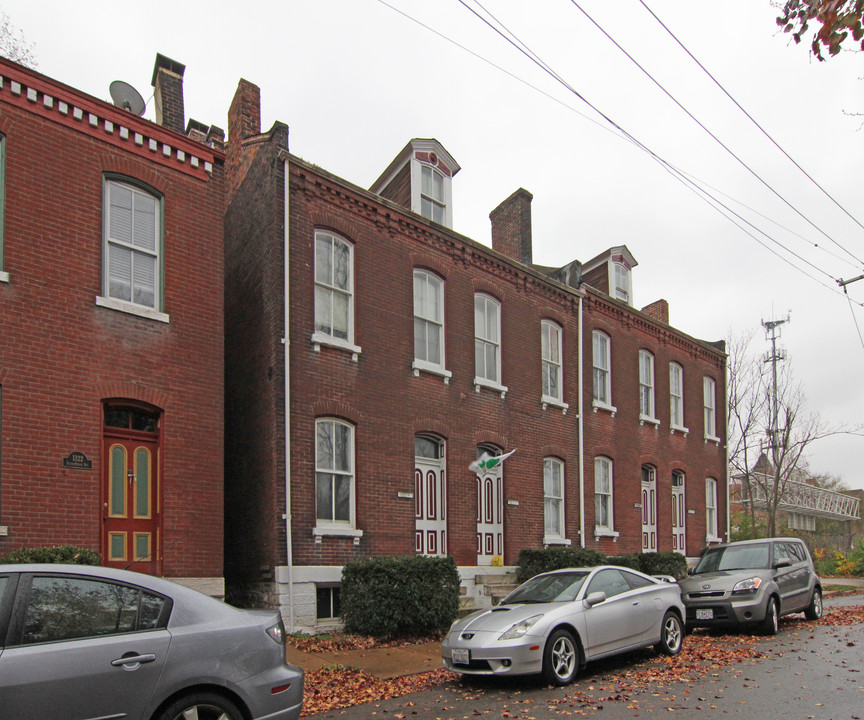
772, 328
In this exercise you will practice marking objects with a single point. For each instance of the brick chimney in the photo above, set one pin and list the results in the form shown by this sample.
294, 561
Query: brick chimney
168, 93
511, 227
659, 310
244, 122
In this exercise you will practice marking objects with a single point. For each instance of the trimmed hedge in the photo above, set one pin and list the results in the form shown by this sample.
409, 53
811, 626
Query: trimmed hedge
535, 561
400, 597
68, 554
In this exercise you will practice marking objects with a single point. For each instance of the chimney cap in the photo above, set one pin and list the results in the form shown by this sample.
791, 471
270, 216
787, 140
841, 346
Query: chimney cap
166, 63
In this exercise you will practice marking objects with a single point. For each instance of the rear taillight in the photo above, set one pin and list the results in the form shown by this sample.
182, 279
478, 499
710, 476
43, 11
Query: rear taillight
277, 632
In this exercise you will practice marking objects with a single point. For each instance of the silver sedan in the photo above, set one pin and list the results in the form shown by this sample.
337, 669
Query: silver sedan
91, 642
556, 622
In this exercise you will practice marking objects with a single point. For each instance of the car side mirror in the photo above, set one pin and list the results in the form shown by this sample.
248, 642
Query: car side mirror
691, 571
595, 598
782, 562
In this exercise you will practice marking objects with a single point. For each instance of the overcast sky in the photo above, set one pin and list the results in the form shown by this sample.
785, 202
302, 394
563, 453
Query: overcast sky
355, 80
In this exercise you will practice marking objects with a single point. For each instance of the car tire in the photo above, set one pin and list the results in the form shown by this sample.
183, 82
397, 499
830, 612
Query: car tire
771, 623
560, 658
207, 706
814, 610
671, 635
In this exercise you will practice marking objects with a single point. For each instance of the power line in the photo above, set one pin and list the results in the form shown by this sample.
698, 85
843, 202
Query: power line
710, 133
750, 117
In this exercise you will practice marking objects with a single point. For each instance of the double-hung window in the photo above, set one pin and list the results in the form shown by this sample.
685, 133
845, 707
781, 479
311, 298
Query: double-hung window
709, 393
334, 473
621, 278
4, 276
487, 342
603, 506
550, 351
646, 386
428, 322
711, 529
676, 397
553, 500
334, 291
602, 370
132, 247
432, 198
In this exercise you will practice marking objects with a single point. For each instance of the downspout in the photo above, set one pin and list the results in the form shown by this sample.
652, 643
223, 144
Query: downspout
581, 438
287, 348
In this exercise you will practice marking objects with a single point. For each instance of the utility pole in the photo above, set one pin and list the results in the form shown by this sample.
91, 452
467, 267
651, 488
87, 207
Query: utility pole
772, 327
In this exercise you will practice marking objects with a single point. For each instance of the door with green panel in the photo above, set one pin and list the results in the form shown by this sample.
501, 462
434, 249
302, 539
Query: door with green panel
131, 528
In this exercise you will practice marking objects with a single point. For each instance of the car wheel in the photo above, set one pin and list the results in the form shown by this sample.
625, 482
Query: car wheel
771, 623
671, 635
560, 658
201, 706
814, 611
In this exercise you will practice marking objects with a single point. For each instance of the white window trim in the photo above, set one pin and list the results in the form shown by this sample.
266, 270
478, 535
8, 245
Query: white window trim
606, 530
558, 334
339, 528
546, 400
710, 436
486, 382
424, 365
555, 539
132, 308
673, 426
649, 383
320, 338
158, 294
613, 284
709, 536
4, 276
417, 186
419, 366
602, 404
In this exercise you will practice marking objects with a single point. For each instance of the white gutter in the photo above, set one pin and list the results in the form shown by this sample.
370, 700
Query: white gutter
581, 439
287, 348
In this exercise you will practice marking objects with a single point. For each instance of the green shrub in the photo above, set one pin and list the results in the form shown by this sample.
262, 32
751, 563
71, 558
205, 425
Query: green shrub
533, 561
400, 597
663, 563
856, 558
68, 554
631, 561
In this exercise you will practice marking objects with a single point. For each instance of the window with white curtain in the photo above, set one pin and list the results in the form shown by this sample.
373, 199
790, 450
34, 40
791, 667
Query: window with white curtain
334, 472
334, 280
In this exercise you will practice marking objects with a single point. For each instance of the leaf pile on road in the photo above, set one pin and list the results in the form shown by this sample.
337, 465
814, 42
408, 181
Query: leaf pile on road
703, 656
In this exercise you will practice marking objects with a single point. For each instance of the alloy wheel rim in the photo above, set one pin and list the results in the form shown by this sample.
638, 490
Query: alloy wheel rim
563, 656
673, 634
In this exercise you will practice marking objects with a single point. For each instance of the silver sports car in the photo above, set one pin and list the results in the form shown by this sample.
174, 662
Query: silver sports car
558, 621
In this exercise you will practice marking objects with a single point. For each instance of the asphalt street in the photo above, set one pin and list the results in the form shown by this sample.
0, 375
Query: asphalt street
809, 670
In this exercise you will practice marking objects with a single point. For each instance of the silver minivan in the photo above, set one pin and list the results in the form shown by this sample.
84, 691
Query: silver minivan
752, 583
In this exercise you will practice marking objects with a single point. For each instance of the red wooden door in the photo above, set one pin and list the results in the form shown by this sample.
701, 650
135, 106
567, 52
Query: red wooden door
131, 536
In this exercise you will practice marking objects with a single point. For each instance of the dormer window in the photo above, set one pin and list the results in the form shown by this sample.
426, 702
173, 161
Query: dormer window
420, 179
621, 281
432, 202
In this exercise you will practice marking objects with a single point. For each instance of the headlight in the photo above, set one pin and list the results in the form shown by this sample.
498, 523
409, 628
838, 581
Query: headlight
520, 628
750, 585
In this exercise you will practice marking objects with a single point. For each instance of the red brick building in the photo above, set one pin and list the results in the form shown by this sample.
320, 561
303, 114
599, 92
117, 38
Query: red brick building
111, 328
372, 353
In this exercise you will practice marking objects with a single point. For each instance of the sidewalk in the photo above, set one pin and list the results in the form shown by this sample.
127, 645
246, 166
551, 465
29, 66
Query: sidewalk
382, 663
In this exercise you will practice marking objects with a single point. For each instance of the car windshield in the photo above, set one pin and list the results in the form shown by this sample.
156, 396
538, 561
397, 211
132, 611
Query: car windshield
560, 587
735, 557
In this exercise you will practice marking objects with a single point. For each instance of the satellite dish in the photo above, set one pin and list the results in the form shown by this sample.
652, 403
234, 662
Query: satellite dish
126, 97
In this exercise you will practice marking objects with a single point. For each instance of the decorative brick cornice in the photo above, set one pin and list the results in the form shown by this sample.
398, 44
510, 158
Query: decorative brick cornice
124, 390
71, 108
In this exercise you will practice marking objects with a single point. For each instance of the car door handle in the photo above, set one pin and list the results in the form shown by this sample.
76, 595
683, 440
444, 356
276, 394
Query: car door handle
132, 661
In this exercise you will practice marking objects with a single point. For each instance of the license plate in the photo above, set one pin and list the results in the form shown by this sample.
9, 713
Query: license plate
704, 614
458, 656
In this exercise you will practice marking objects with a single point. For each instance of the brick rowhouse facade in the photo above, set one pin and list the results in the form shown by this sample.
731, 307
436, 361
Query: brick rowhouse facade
404, 420
111, 407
